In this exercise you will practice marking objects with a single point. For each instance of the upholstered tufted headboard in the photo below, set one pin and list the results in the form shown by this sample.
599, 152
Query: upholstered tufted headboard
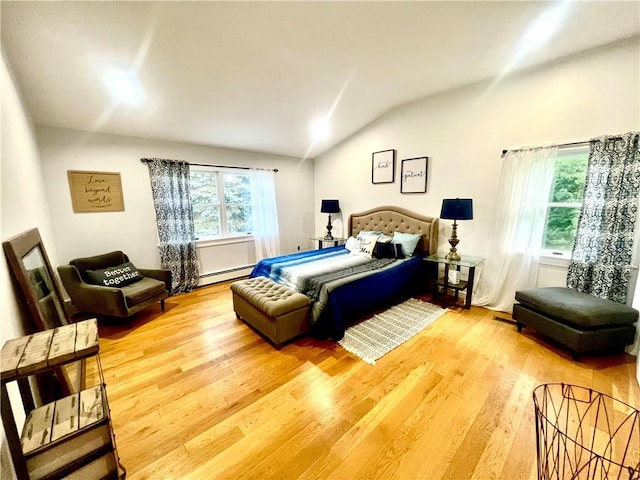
388, 219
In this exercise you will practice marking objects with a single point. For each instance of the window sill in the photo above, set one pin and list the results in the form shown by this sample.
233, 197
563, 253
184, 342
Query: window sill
555, 260
212, 242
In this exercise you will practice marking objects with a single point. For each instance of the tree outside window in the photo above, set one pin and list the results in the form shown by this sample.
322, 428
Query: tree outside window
565, 200
237, 199
221, 203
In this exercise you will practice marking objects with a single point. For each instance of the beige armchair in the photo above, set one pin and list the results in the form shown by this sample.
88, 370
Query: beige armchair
109, 285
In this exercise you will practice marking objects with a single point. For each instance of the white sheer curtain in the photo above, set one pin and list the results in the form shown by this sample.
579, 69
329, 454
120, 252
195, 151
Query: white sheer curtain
266, 233
517, 228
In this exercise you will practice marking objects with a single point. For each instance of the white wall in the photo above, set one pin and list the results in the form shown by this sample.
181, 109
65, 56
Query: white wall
463, 133
24, 206
134, 230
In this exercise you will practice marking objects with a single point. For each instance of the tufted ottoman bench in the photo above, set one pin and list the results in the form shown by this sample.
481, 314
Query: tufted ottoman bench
579, 321
276, 311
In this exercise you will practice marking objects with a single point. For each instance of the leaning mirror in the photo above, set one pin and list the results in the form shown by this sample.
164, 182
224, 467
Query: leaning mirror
40, 291
31, 268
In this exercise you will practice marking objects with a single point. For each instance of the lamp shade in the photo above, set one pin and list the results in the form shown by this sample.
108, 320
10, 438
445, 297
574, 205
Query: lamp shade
330, 206
457, 209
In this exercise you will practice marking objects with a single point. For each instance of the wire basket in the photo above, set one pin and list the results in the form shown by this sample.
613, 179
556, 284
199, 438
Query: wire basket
584, 434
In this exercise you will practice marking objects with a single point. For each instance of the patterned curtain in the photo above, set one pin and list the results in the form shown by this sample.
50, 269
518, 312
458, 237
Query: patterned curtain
601, 258
174, 218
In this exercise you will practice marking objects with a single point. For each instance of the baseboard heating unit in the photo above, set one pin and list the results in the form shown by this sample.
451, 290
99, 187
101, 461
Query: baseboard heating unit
224, 275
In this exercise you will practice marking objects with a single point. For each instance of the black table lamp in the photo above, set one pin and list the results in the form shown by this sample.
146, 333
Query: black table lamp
329, 206
456, 209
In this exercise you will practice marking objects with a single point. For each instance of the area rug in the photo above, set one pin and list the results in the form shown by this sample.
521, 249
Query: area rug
373, 338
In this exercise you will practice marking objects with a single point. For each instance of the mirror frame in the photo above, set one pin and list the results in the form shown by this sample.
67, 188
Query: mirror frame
71, 377
15, 249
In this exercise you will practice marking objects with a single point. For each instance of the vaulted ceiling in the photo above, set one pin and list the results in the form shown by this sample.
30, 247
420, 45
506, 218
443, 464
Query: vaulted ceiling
257, 75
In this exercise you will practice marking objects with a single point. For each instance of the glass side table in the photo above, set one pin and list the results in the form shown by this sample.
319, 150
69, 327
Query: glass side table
465, 261
321, 241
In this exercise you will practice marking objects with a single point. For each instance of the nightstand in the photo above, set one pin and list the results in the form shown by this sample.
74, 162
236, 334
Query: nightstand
321, 241
443, 282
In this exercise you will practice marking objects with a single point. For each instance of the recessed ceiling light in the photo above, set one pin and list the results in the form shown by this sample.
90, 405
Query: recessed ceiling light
540, 31
545, 26
321, 129
124, 86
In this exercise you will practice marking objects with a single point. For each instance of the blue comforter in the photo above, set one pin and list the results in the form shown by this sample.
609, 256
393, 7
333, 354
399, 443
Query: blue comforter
343, 287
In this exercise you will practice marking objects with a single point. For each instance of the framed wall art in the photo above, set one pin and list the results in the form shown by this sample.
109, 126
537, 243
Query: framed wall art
413, 175
383, 167
95, 191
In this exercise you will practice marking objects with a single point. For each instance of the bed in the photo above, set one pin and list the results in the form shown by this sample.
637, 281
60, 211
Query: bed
345, 287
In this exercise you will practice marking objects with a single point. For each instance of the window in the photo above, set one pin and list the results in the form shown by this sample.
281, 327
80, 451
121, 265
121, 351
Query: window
565, 200
221, 202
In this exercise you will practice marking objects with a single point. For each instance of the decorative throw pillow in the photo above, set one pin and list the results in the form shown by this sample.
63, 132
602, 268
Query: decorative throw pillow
117, 276
388, 250
409, 241
382, 238
365, 243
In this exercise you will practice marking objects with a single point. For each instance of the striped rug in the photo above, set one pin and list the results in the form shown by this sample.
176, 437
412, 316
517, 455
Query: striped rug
373, 338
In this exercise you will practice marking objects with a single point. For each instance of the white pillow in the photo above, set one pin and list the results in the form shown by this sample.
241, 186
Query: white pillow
350, 243
365, 243
409, 241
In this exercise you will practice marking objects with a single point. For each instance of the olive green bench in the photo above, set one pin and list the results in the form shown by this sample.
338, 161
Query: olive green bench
274, 310
578, 321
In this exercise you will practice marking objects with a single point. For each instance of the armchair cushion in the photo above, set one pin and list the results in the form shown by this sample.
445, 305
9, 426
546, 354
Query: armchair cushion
143, 290
116, 276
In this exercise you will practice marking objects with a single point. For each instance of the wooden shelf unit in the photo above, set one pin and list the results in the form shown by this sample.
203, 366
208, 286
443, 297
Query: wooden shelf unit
71, 437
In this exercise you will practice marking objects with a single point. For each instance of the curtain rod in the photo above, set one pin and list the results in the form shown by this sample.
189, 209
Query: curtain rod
570, 144
147, 160
233, 166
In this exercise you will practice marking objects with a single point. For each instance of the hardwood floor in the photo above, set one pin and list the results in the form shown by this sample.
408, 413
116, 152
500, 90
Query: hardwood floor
195, 393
